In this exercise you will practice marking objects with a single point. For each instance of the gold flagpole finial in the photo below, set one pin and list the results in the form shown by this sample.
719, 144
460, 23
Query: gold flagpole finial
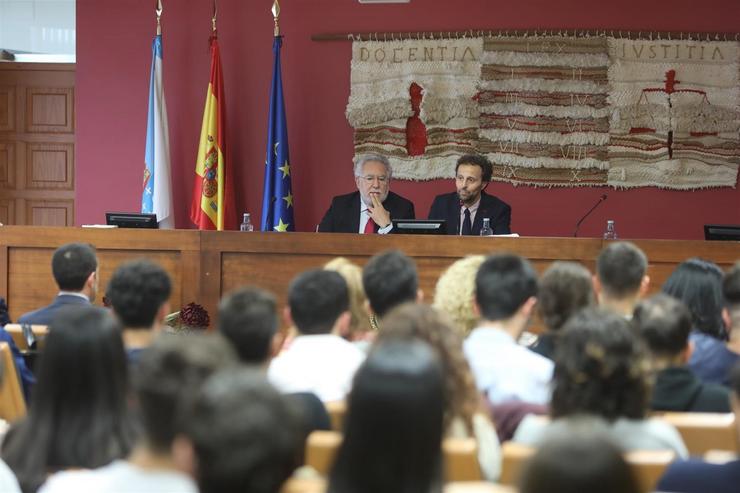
213, 19
158, 9
276, 16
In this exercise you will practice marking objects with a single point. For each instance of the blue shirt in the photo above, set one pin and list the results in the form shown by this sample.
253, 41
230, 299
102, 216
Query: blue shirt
696, 476
711, 361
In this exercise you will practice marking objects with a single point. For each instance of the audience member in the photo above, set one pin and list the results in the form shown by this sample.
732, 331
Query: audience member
318, 360
172, 368
455, 292
601, 371
664, 324
579, 458
75, 270
697, 476
621, 277
390, 279
731, 311
360, 330
565, 288
698, 284
139, 292
505, 297
465, 415
393, 430
78, 417
8, 483
27, 378
239, 435
248, 319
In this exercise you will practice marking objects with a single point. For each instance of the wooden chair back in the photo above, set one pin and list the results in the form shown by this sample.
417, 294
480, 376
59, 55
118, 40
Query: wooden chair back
337, 410
477, 487
19, 338
12, 403
702, 432
304, 485
460, 455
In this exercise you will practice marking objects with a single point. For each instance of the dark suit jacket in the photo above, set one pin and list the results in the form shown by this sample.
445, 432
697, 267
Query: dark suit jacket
343, 215
677, 389
447, 207
44, 316
696, 476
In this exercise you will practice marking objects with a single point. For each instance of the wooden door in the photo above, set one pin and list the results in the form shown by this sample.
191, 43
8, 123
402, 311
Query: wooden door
37, 143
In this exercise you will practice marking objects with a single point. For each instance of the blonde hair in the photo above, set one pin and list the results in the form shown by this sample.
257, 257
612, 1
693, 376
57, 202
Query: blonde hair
455, 292
352, 274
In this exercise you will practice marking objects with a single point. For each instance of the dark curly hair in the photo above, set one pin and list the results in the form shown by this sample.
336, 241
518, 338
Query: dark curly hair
600, 368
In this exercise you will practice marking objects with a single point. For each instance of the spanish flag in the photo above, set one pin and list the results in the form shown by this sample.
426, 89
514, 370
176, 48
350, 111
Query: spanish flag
213, 192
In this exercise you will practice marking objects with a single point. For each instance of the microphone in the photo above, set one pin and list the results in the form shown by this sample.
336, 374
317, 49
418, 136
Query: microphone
597, 204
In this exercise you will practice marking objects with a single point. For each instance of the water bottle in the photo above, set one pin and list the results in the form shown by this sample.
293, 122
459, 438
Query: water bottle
246, 224
610, 233
486, 229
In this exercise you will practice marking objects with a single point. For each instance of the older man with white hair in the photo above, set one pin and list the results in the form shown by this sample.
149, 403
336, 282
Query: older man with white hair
370, 209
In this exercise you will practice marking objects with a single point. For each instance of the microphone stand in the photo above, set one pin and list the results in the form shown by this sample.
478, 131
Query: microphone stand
598, 203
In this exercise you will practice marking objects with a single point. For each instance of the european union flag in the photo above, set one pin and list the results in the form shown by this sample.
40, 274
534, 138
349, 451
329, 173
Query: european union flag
277, 198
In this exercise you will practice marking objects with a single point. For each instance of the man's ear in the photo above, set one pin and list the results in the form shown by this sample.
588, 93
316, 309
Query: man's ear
287, 316
688, 351
527, 307
163, 311
368, 308
420, 295
644, 285
727, 319
476, 308
183, 456
341, 326
597, 284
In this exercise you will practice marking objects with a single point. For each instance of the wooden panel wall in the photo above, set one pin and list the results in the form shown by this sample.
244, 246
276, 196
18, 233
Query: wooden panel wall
37, 139
205, 265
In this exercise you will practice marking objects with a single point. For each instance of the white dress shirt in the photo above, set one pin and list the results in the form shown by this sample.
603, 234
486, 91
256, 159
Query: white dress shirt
506, 371
365, 217
324, 364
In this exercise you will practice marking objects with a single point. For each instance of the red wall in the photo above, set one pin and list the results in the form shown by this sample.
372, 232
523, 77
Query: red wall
113, 59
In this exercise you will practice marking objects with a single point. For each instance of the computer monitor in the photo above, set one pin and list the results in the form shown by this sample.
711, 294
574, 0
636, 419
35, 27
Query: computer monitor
131, 220
420, 226
722, 232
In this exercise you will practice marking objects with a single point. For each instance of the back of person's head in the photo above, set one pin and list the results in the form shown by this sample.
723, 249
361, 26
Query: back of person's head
578, 459
72, 265
600, 368
620, 269
78, 417
359, 324
664, 324
173, 367
248, 319
731, 293
317, 298
565, 288
390, 279
418, 321
698, 284
503, 284
245, 435
137, 292
455, 291
393, 430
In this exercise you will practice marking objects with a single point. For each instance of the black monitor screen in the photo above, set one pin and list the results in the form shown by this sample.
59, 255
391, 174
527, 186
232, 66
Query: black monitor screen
131, 220
420, 226
719, 232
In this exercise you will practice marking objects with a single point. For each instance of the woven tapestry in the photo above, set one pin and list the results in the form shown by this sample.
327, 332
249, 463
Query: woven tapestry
552, 110
414, 102
674, 113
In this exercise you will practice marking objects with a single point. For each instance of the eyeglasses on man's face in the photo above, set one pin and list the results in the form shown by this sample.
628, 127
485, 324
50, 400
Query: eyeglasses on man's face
370, 179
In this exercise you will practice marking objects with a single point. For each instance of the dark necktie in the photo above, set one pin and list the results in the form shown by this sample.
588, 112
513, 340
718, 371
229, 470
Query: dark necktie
467, 228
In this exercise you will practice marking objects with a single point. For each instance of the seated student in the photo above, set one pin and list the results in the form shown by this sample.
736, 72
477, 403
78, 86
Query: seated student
238, 435
79, 417
390, 279
360, 330
318, 360
600, 371
27, 378
248, 319
621, 277
455, 290
393, 432
565, 288
731, 311
139, 291
8, 482
697, 476
172, 368
698, 284
664, 324
465, 412
75, 270
579, 458
505, 296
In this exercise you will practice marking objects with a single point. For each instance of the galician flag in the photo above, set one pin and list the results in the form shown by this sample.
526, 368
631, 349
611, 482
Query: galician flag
157, 195
213, 192
277, 198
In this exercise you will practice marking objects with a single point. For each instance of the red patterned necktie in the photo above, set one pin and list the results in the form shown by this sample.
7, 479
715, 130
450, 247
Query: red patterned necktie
369, 227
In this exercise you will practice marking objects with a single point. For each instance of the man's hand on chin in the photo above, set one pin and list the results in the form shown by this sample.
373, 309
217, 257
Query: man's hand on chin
381, 216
